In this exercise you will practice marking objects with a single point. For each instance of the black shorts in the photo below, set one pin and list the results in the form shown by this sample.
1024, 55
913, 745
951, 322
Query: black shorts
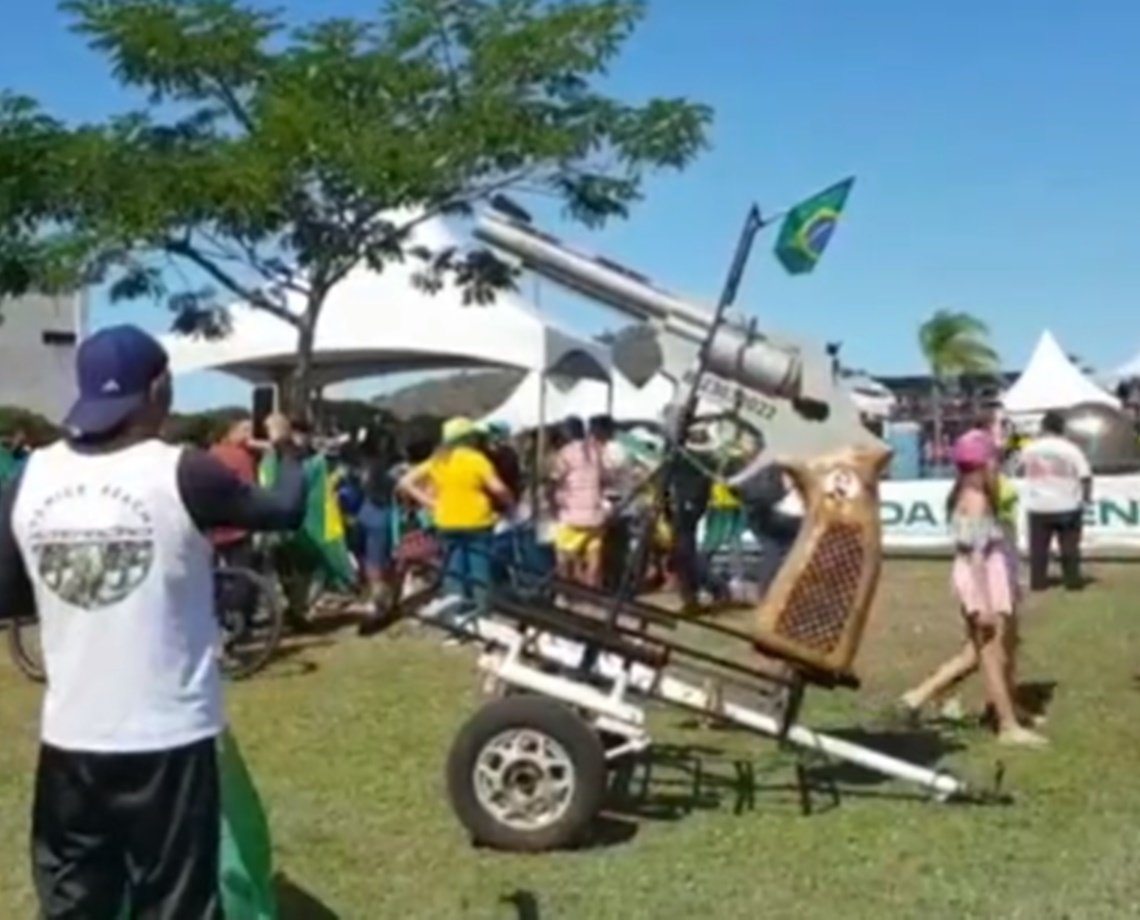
143, 829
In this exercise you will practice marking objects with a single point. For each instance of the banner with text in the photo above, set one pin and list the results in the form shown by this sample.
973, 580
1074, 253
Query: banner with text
914, 515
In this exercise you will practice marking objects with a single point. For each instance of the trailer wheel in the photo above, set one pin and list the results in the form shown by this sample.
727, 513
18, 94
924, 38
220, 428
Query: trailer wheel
526, 774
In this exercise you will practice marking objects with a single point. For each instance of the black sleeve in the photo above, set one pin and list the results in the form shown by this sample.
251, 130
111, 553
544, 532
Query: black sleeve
215, 497
15, 587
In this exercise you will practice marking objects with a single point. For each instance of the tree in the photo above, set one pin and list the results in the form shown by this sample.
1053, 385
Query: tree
33, 252
270, 159
954, 343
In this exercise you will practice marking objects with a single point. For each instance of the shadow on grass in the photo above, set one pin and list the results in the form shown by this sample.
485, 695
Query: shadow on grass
1087, 580
525, 904
288, 661
295, 903
1035, 697
671, 782
921, 747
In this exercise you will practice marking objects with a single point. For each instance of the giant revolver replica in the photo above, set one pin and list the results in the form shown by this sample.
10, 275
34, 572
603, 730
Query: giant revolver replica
569, 688
813, 614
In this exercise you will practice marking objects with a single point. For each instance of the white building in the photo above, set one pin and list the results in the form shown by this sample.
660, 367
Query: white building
38, 338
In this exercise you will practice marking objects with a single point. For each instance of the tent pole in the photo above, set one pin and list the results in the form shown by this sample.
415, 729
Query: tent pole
539, 452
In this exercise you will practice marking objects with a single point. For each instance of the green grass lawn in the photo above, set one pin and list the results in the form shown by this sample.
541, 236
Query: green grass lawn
348, 737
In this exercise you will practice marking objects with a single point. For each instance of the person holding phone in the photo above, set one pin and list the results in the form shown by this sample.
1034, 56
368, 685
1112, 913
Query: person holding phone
104, 538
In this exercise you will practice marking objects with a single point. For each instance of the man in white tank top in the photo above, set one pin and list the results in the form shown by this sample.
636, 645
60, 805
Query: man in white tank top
102, 536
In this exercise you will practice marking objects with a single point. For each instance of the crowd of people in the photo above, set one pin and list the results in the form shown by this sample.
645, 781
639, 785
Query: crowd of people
490, 502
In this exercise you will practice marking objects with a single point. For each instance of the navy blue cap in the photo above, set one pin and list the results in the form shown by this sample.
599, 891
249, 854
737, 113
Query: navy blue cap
115, 369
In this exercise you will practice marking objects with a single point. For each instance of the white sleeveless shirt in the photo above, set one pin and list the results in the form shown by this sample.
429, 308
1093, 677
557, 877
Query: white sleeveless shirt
123, 584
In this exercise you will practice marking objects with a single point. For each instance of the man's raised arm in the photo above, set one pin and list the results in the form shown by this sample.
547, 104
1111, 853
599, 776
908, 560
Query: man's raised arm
215, 497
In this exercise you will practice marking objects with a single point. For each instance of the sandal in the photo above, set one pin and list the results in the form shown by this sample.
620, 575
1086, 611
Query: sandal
1022, 737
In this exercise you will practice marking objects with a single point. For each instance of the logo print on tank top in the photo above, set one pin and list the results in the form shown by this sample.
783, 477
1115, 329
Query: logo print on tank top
93, 545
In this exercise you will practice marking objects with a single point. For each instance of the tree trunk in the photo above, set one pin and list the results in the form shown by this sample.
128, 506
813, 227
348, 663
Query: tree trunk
297, 398
936, 413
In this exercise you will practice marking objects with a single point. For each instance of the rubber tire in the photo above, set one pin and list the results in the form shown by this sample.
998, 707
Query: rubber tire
31, 668
558, 722
268, 603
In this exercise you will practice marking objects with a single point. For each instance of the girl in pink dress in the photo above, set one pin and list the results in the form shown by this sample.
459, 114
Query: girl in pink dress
982, 583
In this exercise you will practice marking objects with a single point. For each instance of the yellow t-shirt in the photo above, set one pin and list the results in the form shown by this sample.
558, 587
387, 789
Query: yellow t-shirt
459, 479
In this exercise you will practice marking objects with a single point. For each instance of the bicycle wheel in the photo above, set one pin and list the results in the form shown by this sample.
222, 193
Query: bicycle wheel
251, 619
24, 647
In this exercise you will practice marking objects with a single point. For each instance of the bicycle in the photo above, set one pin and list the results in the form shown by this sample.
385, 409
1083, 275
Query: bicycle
250, 630
251, 621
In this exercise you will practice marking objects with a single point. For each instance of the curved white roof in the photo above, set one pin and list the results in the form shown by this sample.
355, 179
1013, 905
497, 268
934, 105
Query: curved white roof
1051, 381
380, 322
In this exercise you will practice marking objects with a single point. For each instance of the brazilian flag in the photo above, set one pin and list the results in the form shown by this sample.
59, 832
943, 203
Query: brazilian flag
320, 541
808, 227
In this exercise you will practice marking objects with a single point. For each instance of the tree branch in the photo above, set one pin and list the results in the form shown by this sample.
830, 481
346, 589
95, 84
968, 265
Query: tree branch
233, 106
255, 297
251, 257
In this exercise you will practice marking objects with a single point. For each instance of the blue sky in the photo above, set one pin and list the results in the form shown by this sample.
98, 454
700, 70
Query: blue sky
995, 144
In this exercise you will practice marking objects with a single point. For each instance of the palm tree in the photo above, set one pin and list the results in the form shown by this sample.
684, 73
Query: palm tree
954, 343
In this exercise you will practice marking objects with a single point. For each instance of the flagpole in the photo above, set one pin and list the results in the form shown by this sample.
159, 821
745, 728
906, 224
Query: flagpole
753, 224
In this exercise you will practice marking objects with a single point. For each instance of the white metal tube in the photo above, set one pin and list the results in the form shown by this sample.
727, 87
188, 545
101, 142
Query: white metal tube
619, 287
669, 689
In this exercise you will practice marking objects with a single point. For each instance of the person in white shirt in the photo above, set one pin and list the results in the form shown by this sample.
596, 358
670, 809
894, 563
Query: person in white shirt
103, 536
1058, 486
620, 480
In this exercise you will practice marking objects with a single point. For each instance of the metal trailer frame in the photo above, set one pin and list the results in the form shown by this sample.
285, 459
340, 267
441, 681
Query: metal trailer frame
607, 682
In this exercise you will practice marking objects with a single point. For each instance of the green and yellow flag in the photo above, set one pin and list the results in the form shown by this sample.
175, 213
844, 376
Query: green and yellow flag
321, 537
808, 227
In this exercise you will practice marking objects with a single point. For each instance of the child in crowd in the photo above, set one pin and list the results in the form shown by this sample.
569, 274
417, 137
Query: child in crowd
984, 586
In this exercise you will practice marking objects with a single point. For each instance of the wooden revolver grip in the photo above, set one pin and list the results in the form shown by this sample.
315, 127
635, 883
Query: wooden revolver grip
817, 606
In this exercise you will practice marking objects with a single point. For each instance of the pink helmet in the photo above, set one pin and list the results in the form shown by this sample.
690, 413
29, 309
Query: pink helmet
974, 450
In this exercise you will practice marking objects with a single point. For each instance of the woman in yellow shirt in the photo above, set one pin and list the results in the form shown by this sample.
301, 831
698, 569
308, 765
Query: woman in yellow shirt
459, 487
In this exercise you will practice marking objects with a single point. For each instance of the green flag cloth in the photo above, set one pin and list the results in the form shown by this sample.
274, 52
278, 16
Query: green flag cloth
808, 227
245, 868
247, 851
320, 541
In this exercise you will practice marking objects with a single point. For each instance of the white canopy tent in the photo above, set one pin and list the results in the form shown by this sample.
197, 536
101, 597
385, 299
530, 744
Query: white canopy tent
630, 403
584, 398
538, 398
872, 397
375, 323
1050, 381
